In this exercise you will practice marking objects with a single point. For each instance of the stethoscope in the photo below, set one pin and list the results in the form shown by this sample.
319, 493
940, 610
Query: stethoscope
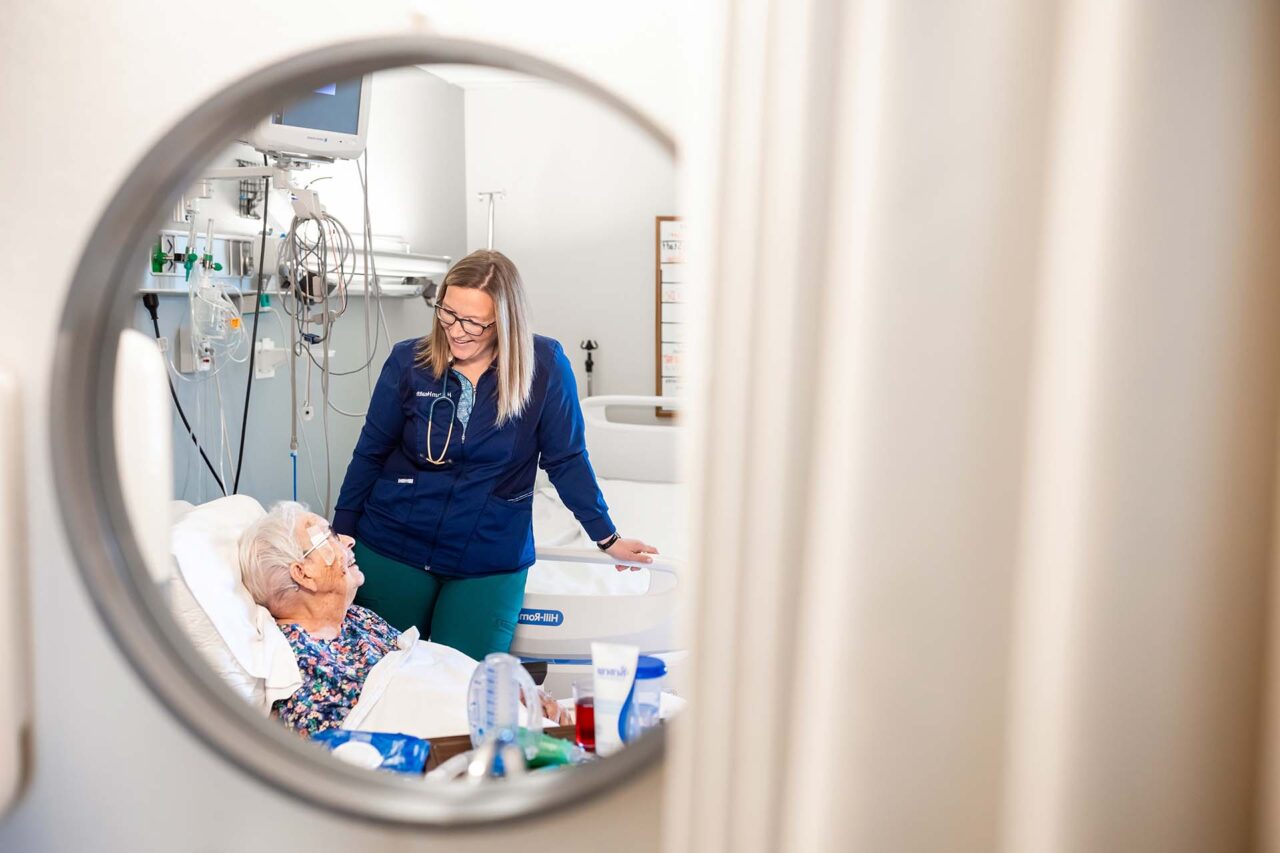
431, 417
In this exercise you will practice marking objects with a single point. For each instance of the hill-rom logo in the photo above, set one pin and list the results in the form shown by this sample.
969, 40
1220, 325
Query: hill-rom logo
545, 618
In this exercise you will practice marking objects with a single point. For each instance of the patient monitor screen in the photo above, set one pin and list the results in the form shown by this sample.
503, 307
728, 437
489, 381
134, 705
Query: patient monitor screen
334, 108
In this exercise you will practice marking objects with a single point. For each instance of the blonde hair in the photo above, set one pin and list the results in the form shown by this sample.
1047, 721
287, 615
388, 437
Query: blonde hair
492, 273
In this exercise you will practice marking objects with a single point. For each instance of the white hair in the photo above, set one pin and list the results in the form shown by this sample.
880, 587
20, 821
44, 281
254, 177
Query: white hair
268, 548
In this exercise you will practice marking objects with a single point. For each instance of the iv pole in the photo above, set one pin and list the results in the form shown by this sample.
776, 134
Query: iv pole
490, 196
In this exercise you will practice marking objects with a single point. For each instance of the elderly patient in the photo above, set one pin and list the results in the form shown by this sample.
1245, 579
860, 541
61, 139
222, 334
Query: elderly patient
307, 577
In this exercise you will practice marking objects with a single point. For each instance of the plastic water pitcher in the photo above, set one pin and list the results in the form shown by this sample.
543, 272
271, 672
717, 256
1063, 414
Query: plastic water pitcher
493, 699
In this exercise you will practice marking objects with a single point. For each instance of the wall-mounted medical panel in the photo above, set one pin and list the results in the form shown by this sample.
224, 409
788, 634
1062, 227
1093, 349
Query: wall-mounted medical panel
399, 271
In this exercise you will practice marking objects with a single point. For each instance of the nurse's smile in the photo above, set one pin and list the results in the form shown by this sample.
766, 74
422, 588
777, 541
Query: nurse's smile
467, 317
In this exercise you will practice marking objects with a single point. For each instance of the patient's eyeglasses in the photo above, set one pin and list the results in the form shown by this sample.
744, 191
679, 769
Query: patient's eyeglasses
471, 327
325, 543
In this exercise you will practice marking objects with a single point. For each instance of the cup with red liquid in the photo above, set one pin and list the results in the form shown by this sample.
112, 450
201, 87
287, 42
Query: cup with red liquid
584, 715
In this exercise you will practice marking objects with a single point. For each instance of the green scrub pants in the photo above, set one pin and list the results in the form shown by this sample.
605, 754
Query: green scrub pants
476, 616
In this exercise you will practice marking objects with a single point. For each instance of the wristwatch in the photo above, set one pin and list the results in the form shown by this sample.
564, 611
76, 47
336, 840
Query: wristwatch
608, 543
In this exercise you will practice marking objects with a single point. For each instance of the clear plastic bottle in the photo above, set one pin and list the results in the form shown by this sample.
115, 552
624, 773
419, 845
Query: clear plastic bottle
646, 696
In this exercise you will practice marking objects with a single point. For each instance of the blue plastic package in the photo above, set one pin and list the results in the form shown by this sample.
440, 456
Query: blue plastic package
377, 750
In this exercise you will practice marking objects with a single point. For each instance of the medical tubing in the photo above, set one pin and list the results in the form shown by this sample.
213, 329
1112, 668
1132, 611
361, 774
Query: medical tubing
324, 415
237, 312
306, 445
371, 284
293, 381
370, 281
253, 340
188, 260
224, 448
152, 302
328, 452
311, 467
180, 493
372, 263
217, 309
199, 421
368, 257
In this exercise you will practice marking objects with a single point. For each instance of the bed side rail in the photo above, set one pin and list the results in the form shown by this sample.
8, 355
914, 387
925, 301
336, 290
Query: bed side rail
646, 452
595, 555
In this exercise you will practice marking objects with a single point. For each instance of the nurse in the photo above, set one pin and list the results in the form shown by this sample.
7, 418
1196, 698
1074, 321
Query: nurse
439, 492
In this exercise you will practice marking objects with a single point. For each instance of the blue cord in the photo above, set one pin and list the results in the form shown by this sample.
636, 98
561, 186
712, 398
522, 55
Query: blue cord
294, 455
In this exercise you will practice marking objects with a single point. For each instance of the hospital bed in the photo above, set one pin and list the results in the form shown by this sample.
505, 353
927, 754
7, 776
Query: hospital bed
418, 689
574, 595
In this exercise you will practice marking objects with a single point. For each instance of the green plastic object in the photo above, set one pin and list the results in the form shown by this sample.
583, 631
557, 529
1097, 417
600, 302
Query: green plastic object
546, 751
158, 259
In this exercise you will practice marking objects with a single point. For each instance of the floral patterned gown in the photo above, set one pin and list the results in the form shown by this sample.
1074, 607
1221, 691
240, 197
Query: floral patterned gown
334, 671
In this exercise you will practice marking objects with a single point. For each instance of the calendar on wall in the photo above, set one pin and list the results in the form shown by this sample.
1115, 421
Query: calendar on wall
670, 319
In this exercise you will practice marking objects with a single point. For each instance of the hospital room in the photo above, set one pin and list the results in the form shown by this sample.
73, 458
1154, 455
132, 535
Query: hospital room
304, 272
682, 427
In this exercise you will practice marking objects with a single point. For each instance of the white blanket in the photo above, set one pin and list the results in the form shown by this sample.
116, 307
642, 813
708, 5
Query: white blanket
419, 690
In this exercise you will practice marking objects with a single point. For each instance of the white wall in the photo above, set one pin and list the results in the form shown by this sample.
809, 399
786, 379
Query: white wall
583, 187
113, 771
417, 179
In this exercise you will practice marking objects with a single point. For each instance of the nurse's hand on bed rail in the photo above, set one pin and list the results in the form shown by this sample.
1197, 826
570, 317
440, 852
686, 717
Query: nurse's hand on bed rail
631, 550
594, 556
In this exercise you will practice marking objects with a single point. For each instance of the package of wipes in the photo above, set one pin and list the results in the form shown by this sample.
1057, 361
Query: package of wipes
614, 668
377, 750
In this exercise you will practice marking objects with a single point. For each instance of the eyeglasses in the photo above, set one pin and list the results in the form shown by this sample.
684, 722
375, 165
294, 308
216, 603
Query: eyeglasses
471, 327
324, 542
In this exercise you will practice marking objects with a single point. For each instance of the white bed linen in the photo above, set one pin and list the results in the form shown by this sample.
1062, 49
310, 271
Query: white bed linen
654, 512
419, 690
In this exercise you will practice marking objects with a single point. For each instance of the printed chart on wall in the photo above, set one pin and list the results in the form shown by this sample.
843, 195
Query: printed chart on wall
671, 305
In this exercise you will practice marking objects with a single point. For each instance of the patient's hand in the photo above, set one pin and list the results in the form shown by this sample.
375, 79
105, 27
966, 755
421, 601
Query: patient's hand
552, 710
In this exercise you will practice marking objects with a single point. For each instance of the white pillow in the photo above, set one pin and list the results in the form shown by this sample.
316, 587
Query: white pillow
209, 643
239, 638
